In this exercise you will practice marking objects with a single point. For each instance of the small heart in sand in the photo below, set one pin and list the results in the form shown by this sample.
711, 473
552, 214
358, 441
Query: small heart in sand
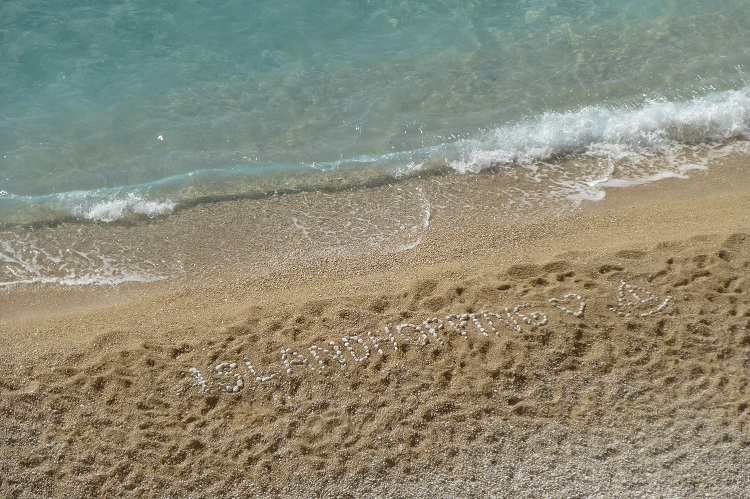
570, 298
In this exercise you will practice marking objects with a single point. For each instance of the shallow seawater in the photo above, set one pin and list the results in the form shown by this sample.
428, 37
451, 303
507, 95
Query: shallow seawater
123, 124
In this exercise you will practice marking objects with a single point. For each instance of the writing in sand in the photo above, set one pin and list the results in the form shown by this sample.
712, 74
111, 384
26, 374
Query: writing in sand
228, 375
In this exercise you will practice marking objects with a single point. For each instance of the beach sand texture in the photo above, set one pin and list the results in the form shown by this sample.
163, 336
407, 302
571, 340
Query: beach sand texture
616, 364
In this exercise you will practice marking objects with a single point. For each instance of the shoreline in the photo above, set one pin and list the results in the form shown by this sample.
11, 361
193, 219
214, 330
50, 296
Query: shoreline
642, 390
625, 215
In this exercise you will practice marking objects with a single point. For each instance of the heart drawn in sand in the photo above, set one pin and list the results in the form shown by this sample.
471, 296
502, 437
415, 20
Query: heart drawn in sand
570, 298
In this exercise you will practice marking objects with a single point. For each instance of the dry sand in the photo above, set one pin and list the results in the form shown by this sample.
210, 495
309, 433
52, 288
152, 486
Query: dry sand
619, 365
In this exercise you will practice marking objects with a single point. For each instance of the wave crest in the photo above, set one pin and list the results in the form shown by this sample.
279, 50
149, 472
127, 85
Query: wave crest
600, 131
117, 209
634, 134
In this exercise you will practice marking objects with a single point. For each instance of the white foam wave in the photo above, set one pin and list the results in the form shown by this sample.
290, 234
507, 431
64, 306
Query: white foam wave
117, 209
645, 141
599, 131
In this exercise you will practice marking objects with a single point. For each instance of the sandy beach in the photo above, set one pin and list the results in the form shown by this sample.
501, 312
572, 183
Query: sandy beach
598, 351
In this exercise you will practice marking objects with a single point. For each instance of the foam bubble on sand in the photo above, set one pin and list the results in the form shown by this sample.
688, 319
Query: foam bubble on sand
48, 257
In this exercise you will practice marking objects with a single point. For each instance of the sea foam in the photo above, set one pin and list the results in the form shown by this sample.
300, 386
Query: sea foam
647, 140
651, 128
116, 209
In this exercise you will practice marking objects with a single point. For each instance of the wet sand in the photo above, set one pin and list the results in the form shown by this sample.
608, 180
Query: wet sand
597, 351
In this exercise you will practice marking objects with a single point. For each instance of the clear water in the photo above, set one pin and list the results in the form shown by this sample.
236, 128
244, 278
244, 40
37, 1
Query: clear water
130, 109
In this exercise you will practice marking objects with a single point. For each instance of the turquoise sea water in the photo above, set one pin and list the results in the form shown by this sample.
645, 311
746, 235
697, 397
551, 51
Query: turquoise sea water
127, 110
